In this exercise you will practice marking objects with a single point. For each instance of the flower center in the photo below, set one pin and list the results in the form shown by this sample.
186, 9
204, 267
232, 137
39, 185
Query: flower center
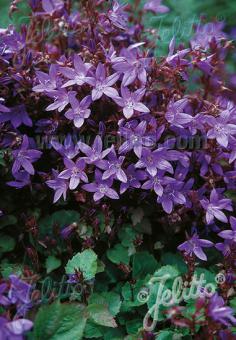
150, 159
156, 180
75, 171
130, 104
220, 128
22, 153
134, 139
79, 77
103, 188
100, 86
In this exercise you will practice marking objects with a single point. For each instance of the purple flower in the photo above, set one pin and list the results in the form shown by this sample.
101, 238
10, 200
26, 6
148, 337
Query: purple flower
218, 312
194, 246
101, 187
155, 6
4, 301
102, 85
17, 115
74, 172
205, 34
230, 234
111, 55
22, 179
155, 183
47, 82
172, 195
59, 185
14, 330
153, 160
68, 150
68, 230
117, 15
113, 167
95, 154
19, 290
133, 178
24, 157
135, 139
225, 247
177, 59
72, 278
77, 75
131, 102
47, 126
79, 111
51, 6
175, 115
214, 206
132, 67
222, 128
61, 100
3, 108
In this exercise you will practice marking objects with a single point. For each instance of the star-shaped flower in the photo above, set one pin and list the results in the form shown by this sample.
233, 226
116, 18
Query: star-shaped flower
61, 100
136, 138
102, 84
69, 149
17, 115
219, 312
113, 167
47, 82
230, 234
74, 172
214, 207
79, 111
95, 154
101, 187
24, 157
132, 67
221, 128
59, 185
78, 75
194, 246
131, 101
155, 6
153, 160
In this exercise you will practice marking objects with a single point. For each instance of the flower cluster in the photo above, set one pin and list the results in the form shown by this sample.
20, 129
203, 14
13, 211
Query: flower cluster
116, 84
16, 293
87, 110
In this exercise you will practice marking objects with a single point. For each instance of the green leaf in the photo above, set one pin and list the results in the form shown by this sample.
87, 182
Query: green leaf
171, 271
233, 304
127, 236
86, 262
137, 215
133, 326
7, 243
7, 220
118, 254
108, 299
114, 334
208, 276
101, 315
52, 263
174, 260
165, 335
9, 268
144, 226
60, 218
92, 330
143, 264
60, 322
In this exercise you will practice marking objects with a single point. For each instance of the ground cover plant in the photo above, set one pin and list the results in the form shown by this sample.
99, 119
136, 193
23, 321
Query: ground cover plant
117, 167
